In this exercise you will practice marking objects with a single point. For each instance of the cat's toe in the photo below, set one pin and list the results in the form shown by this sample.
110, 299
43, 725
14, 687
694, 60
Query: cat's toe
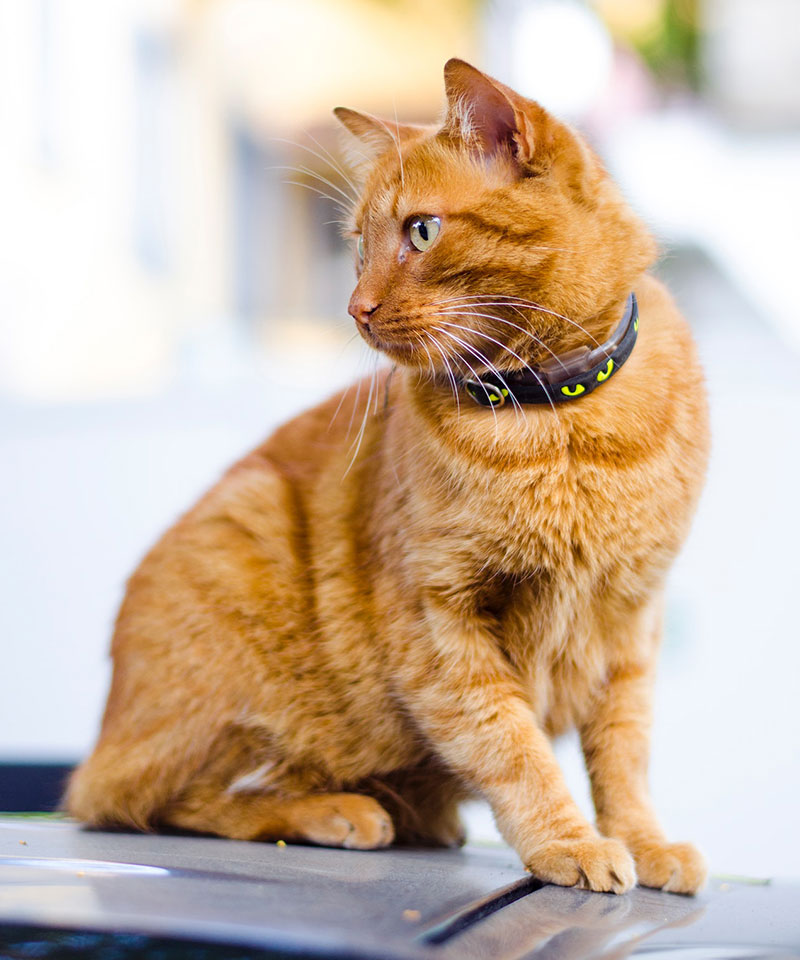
591, 863
674, 867
349, 820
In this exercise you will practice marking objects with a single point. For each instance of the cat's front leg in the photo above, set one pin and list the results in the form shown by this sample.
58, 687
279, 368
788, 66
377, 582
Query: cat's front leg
616, 742
465, 697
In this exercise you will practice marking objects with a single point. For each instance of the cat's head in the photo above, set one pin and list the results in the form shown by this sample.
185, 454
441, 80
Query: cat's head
496, 238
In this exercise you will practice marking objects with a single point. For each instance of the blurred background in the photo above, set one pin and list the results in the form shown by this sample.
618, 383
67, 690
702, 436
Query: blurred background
173, 285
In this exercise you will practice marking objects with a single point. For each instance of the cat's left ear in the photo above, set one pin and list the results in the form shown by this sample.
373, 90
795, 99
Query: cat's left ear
376, 134
493, 118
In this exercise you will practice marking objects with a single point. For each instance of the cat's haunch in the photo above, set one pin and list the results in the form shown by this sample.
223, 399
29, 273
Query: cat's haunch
349, 634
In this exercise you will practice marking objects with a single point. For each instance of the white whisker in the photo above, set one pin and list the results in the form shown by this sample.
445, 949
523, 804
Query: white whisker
431, 366
484, 359
507, 349
336, 166
355, 407
308, 172
506, 300
472, 370
349, 387
328, 159
490, 316
321, 193
450, 374
357, 442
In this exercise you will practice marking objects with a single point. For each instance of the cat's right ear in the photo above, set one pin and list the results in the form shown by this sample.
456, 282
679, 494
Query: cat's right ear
375, 134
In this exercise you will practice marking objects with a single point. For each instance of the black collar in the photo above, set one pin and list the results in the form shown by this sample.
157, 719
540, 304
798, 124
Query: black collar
568, 377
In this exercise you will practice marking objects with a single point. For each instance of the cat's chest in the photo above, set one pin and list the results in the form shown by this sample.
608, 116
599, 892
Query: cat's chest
567, 519
557, 518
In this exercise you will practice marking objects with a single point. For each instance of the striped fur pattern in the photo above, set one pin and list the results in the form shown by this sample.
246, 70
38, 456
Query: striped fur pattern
337, 647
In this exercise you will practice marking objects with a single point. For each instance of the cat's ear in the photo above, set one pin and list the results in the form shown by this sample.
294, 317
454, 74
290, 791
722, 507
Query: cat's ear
478, 112
492, 117
376, 134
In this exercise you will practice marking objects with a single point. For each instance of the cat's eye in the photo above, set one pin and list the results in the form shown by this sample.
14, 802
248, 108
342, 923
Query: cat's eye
423, 231
360, 247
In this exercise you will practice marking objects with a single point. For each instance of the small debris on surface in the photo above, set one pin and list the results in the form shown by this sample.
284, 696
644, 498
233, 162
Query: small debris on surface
280, 843
411, 915
80, 873
24, 843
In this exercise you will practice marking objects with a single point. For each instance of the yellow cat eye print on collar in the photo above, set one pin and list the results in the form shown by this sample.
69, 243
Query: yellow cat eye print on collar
546, 382
573, 391
605, 374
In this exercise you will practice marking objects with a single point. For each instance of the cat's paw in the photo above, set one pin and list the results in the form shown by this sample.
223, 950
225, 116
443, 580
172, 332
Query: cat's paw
591, 863
346, 820
675, 867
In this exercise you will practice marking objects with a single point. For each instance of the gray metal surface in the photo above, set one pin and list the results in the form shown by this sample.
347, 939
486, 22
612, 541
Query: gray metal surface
403, 904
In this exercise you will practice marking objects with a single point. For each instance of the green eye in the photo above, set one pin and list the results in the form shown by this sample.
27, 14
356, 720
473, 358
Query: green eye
423, 231
360, 248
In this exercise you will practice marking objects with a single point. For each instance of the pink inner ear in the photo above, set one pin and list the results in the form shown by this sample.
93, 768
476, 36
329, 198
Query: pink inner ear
477, 109
493, 119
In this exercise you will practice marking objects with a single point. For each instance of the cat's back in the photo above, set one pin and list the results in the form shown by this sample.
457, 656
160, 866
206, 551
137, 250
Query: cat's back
256, 515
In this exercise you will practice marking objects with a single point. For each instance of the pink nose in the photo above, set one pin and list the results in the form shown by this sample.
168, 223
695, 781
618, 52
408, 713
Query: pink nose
361, 310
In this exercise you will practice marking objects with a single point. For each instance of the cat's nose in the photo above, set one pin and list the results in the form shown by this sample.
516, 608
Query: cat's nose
361, 310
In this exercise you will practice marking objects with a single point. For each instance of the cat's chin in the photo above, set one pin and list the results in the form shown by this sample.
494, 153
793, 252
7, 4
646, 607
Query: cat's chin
398, 352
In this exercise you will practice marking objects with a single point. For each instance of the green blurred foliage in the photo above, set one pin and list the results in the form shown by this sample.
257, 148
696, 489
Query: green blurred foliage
671, 49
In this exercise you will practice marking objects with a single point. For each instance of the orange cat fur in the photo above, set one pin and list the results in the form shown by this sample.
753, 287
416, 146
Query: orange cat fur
341, 655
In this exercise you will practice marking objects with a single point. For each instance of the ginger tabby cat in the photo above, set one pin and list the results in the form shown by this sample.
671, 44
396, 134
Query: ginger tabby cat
339, 652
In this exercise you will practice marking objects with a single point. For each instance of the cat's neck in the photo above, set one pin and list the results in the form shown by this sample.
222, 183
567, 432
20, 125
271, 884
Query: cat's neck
452, 423
565, 369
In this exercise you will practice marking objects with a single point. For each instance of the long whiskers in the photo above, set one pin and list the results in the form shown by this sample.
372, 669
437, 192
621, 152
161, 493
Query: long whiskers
508, 350
479, 355
357, 384
346, 209
472, 370
336, 166
450, 374
431, 366
327, 159
308, 172
450, 312
355, 407
507, 300
482, 358
356, 445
